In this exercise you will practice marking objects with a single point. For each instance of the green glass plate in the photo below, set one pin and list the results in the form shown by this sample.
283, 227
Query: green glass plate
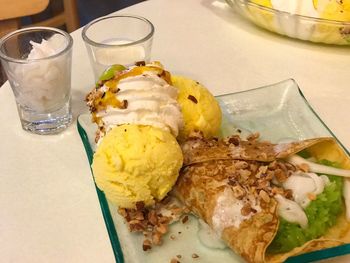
280, 113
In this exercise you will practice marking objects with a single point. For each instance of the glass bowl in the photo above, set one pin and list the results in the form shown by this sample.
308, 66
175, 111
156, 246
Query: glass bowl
295, 26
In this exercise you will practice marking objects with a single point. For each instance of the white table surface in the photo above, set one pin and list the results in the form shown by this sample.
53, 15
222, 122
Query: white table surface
49, 211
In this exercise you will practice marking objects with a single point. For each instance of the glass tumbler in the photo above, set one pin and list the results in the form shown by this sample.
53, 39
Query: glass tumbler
37, 62
118, 39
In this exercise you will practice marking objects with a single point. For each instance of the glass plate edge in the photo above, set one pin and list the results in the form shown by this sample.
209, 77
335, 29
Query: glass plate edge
112, 233
304, 100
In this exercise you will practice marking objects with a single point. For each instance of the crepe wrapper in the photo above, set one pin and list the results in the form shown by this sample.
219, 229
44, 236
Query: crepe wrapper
207, 173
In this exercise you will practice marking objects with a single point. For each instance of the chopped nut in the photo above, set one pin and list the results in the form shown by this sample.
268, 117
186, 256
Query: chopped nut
253, 167
283, 166
244, 174
147, 245
140, 205
246, 209
269, 175
157, 238
164, 219
238, 192
176, 210
261, 171
136, 226
166, 200
253, 136
312, 196
231, 181
304, 167
262, 184
140, 63
252, 191
290, 166
264, 196
139, 215
194, 255
241, 164
174, 260
184, 219
122, 212
288, 193
192, 98
162, 228
186, 210
152, 217
172, 237
124, 104
233, 140
277, 190
150, 221
272, 165
280, 175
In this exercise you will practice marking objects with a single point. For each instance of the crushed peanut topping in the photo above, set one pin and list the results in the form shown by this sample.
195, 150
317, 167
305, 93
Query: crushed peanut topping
312, 196
153, 221
304, 167
244, 169
147, 245
194, 255
192, 98
184, 219
253, 136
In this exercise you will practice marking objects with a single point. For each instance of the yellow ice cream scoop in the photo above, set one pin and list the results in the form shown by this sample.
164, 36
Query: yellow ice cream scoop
266, 3
327, 9
200, 110
333, 9
136, 163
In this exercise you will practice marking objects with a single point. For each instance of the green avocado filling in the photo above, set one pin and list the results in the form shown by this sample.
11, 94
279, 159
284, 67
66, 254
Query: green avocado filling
322, 214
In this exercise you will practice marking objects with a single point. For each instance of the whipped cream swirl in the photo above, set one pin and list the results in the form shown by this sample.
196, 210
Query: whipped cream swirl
150, 101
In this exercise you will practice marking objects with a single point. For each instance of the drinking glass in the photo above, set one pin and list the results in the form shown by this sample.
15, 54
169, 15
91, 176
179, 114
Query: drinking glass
37, 62
118, 39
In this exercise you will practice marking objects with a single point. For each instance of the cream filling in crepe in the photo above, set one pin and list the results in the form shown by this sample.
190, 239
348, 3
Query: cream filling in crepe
228, 208
305, 185
318, 168
291, 211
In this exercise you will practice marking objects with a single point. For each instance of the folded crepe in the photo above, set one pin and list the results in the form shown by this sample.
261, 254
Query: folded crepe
236, 187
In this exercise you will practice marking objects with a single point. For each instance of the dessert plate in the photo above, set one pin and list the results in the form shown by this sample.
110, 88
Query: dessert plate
280, 113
